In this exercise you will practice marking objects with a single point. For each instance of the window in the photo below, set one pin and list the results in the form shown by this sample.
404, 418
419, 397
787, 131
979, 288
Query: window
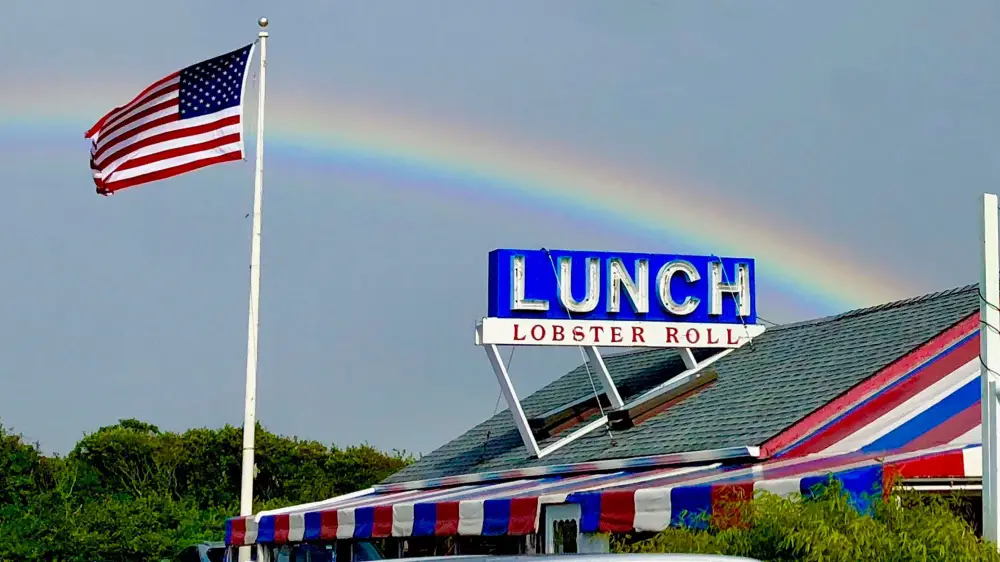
564, 534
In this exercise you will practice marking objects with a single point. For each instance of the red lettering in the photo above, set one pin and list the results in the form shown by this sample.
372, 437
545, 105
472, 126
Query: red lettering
616, 334
729, 332
690, 338
672, 335
517, 328
539, 335
557, 333
637, 335
577, 333
710, 342
597, 331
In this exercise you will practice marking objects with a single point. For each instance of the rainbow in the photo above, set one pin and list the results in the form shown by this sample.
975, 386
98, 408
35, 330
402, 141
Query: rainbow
339, 134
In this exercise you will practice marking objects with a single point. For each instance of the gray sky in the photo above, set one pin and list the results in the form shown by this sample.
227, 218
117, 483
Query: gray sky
869, 126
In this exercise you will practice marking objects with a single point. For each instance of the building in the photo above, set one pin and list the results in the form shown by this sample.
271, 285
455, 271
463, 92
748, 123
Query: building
886, 392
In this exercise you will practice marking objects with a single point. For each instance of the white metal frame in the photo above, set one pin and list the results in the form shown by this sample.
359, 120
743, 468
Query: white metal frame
989, 337
615, 401
694, 370
517, 411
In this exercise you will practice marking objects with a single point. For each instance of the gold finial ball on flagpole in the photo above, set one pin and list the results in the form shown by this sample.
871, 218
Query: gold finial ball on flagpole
262, 22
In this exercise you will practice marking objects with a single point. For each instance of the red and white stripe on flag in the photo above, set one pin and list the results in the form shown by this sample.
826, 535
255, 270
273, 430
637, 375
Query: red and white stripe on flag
188, 120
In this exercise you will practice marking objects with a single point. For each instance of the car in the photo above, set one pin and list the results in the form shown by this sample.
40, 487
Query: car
204, 552
367, 553
664, 557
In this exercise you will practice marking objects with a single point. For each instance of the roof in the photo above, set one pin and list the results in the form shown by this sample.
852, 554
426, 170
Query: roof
790, 371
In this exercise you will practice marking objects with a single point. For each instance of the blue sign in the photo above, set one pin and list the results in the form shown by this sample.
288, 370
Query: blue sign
580, 285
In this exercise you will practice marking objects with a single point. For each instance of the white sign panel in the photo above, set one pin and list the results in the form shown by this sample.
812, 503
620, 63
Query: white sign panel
613, 333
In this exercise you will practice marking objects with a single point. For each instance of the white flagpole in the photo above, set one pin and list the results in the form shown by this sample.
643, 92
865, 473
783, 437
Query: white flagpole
250, 407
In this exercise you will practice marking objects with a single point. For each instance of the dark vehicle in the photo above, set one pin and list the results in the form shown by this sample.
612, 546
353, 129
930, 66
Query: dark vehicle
595, 558
342, 552
364, 552
286, 557
206, 552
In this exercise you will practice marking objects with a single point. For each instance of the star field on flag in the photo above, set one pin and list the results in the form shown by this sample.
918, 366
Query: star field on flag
187, 120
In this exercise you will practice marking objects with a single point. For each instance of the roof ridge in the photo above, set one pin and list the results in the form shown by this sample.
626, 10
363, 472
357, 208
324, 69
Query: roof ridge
878, 307
839, 316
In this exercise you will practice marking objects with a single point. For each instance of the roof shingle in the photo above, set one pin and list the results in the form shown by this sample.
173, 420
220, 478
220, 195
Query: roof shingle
790, 371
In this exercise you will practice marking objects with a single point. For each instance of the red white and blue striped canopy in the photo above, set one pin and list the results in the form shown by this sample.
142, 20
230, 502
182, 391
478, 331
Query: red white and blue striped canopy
917, 418
616, 502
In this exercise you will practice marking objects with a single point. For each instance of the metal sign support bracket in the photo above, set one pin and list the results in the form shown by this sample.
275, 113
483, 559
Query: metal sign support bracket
615, 402
594, 358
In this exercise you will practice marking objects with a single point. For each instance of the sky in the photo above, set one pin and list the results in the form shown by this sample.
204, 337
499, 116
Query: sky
847, 145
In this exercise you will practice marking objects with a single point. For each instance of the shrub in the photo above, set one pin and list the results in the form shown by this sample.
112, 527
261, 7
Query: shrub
133, 492
827, 527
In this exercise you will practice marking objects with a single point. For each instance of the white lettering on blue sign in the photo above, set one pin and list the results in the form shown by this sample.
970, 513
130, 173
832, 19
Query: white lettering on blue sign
595, 285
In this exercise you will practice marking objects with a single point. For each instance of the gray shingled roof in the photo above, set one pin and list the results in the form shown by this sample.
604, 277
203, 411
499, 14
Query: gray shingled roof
790, 371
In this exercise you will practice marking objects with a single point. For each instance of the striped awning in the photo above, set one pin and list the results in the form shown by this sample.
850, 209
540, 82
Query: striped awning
621, 501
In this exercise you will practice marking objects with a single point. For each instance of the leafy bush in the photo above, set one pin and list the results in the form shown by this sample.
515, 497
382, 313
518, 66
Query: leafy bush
133, 492
905, 527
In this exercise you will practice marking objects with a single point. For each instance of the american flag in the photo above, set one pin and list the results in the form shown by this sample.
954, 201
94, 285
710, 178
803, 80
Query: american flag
188, 120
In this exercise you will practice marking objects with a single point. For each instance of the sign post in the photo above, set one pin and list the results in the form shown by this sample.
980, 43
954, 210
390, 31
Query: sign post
989, 338
560, 298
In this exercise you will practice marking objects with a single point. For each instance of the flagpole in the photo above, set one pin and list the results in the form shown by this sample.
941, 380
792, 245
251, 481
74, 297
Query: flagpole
249, 409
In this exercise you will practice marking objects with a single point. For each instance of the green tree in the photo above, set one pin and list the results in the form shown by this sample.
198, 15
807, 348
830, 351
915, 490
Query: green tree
131, 491
23, 473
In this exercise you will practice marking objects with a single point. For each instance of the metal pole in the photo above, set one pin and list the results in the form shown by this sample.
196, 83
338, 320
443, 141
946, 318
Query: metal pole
250, 407
989, 338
